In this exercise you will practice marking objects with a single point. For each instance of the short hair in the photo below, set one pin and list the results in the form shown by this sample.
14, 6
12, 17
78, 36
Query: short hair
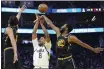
13, 21
69, 26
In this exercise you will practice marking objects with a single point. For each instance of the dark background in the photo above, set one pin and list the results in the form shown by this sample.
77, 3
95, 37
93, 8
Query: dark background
78, 20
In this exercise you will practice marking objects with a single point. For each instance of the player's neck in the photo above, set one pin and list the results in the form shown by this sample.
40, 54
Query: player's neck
64, 34
41, 45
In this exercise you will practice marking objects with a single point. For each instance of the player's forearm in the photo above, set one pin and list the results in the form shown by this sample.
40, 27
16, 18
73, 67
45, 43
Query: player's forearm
49, 22
35, 27
19, 15
79, 42
14, 47
87, 46
44, 30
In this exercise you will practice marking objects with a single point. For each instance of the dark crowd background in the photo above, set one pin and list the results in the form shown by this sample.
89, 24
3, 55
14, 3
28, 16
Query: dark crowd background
84, 58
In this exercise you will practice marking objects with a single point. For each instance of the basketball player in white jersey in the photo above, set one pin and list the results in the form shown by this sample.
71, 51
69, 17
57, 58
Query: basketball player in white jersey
42, 46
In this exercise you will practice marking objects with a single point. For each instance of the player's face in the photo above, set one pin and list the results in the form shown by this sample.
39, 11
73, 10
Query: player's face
65, 27
42, 40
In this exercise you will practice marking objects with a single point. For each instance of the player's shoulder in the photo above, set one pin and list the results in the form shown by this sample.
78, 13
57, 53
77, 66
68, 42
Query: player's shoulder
72, 38
34, 36
48, 45
9, 30
49, 42
35, 39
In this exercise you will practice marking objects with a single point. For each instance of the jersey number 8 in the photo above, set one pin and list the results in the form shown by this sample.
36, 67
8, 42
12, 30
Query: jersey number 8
40, 55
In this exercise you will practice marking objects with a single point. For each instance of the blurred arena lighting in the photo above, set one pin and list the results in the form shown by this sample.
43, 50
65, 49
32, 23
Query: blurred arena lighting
27, 3
51, 10
16, 10
80, 30
26, 41
94, 18
83, 10
8, 3
67, 10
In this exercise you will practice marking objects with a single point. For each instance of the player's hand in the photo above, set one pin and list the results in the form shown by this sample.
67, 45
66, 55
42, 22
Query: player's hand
43, 16
98, 50
15, 58
22, 8
37, 18
41, 20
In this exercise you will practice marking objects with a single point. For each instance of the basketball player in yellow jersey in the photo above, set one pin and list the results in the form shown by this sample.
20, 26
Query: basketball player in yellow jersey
64, 55
10, 41
42, 46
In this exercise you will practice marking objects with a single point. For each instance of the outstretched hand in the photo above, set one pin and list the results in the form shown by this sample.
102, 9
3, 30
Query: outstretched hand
22, 8
15, 59
37, 18
42, 20
98, 50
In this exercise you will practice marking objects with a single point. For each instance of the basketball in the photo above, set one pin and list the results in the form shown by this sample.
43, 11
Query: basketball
43, 8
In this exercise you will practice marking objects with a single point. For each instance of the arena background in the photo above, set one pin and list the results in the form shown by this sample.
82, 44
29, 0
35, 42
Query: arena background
89, 17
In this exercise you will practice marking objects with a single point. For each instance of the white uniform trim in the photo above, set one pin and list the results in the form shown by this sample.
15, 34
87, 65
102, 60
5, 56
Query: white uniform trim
35, 43
44, 61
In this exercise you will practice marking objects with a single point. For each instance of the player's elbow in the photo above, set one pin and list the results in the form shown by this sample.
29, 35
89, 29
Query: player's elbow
73, 38
77, 41
48, 39
34, 36
57, 30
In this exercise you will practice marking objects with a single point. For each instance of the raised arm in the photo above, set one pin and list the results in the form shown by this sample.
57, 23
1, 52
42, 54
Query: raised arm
49, 22
34, 35
13, 42
20, 11
47, 37
79, 42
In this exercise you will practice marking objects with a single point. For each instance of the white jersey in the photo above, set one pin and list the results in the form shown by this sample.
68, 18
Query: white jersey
40, 56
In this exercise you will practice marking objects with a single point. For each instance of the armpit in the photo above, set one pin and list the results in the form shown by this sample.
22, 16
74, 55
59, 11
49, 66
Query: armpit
48, 45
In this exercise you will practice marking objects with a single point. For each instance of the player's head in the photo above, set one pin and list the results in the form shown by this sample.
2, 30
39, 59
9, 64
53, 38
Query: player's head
66, 28
13, 21
42, 41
